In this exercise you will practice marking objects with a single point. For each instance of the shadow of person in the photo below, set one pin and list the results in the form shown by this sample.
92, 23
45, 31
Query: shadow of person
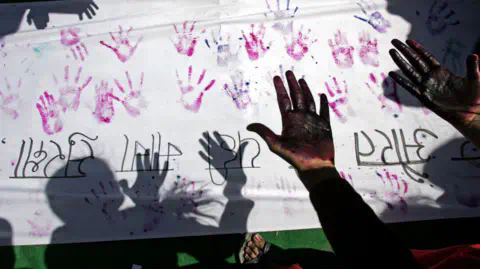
13, 13
7, 256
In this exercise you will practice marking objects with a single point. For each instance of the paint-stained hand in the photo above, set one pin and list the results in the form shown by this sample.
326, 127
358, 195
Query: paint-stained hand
455, 99
306, 140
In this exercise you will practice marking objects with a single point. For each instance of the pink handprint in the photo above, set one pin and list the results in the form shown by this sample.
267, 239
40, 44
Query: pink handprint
256, 48
134, 100
368, 51
70, 39
298, 44
104, 110
10, 101
389, 94
350, 179
50, 114
394, 191
340, 99
122, 48
70, 93
341, 51
186, 41
189, 89
239, 91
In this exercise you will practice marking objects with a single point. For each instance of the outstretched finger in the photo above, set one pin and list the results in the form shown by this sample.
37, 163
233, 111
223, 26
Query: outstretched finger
407, 85
284, 103
473, 71
296, 93
94, 5
307, 94
324, 109
406, 68
415, 60
265, 133
427, 56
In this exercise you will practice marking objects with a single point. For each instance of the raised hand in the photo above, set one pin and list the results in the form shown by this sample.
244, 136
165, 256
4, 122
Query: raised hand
455, 99
306, 140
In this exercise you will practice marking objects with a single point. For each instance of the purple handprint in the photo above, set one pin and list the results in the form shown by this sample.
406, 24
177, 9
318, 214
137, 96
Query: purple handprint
104, 110
133, 101
298, 44
70, 39
256, 47
281, 14
226, 51
440, 17
341, 51
239, 91
186, 91
122, 48
50, 114
10, 101
390, 93
70, 93
368, 51
376, 20
186, 41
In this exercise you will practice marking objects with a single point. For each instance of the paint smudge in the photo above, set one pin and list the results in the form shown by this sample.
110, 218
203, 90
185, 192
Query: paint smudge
239, 91
49, 111
70, 39
281, 14
10, 101
297, 43
440, 16
70, 92
122, 46
375, 18
255, 46
104, 110
387, 95
368, 51
347, 177
225, 49
133, 100
341, 51
3, 54
395, 191
40, 225
186, 41
340, 99
188, 90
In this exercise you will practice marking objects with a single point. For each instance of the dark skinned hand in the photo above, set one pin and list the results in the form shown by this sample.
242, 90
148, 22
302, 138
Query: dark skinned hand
306, 140
455, 99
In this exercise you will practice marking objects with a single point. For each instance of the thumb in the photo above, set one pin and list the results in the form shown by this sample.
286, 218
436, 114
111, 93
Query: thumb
472, 67
265, 133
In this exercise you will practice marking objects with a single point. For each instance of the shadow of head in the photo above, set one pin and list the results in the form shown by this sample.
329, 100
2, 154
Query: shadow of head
7, 256
84, 200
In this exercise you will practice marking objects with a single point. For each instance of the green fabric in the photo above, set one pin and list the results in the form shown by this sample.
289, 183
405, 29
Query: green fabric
153, 253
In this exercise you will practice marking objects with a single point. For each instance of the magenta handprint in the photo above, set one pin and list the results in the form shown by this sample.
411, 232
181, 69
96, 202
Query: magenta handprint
394, 191
347, 177
49, 111
368, 51
282, 14
104, 110
339, 98
70, 92
227, 52
239, 91
122, 46
70, 39
297, 43
186, 42
255, 46
341, 51
133, 100
387, 94
191, 99
375, 18
9, 103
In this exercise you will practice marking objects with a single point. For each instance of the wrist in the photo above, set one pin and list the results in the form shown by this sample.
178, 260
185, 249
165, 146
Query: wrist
310, 178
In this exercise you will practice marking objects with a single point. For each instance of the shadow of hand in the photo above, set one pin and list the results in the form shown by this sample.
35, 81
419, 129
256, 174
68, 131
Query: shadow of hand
145, 190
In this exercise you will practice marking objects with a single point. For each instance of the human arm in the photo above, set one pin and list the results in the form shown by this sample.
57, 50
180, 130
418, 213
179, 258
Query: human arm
357, 235
453, 98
